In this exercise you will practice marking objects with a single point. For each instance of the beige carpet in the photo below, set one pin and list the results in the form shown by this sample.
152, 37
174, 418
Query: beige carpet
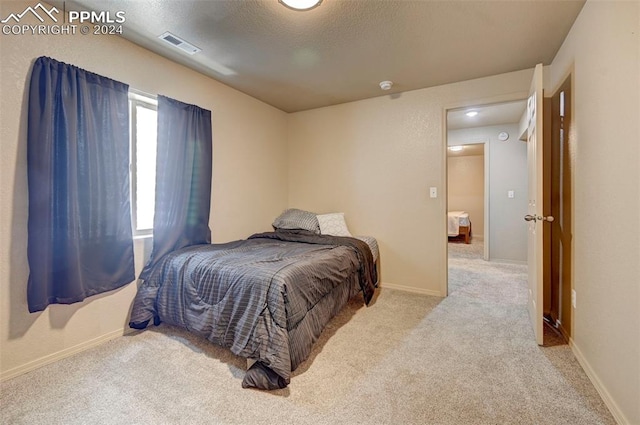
407, 359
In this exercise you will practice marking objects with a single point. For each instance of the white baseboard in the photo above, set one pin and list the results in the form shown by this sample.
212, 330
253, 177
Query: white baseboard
593, 377
412, 289
50, 358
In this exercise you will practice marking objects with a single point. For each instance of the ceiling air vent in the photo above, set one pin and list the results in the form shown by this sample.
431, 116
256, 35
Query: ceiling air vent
176, 41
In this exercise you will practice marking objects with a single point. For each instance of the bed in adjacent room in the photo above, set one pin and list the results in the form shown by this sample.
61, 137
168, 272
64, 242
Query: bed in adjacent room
459, 225
267, 298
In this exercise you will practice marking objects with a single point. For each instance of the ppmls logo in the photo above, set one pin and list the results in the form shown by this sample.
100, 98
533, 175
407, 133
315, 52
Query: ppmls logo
88, 22
33, 10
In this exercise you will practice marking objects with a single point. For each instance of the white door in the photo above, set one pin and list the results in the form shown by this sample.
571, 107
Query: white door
534, 216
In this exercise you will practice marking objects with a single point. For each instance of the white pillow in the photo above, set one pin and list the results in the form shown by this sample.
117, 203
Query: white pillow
333, 224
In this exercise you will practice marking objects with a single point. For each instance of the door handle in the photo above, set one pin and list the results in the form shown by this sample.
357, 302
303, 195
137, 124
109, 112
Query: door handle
530, 217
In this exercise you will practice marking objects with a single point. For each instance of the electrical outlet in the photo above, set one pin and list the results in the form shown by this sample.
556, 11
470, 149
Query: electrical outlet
511, 194
573, 298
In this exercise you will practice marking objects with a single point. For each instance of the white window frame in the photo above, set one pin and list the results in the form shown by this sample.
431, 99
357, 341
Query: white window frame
137, 98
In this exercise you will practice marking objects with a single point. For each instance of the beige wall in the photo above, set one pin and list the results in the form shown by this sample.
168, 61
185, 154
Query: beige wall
376, 159
465, 179
603, 49
249, 181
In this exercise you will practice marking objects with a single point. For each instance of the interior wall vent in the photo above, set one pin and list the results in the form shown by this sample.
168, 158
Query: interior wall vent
176, 41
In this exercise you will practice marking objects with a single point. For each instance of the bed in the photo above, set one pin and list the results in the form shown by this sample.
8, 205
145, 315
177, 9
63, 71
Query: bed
459, 225
266, 298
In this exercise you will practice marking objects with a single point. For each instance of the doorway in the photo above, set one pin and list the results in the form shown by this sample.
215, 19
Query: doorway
466, 184
490, 135
558, 303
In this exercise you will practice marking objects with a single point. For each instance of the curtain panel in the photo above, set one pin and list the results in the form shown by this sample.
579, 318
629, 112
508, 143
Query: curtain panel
80, 239
183, 179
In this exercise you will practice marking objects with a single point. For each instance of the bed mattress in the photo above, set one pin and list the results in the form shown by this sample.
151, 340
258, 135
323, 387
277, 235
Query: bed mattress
455, 219
373, 245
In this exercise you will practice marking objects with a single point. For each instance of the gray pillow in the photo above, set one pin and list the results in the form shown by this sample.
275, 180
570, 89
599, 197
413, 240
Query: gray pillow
297, 219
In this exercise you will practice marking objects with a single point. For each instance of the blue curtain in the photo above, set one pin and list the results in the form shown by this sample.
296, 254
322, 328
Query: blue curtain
80, 241
183, 179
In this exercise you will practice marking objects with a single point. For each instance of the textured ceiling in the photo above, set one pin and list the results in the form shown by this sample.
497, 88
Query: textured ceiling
340, 51
501, 113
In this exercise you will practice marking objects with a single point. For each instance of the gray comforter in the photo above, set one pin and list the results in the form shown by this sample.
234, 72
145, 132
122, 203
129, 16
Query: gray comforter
248, 295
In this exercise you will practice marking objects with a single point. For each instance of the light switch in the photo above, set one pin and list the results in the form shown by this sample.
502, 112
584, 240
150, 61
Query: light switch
511, 194
433, 192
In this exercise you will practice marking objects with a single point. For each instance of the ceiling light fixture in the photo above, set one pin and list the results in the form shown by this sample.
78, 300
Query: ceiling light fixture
300, 4
455, 148
471, 113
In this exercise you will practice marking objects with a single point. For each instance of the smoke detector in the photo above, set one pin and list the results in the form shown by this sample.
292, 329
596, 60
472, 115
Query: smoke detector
386, 85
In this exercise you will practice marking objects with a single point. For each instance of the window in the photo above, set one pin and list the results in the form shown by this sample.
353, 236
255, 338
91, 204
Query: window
144, 123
